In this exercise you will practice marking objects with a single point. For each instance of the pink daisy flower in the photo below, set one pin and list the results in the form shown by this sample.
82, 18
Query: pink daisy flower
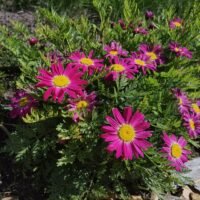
86, 63
115, 49
175, 23
81, 103
60, 81
141, 61
180, 51
21, 104
175, 151
120, 67
195, 107
183, 101
192, 123
126, 133
154, 52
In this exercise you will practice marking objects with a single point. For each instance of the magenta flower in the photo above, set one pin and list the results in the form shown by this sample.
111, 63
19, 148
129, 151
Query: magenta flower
141, 61
180, 51
60, 81
21, 104
120, 67
115, 49
55, 57
122, 24
112, 24
86, 63
183, 101
195, 107
32, 41
192, 123
175, 23
151, 26
149, 15
175, 151
80, 103
140, 30
126, 133
153, 52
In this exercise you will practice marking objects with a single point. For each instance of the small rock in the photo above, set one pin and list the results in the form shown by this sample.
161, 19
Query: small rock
154, 196
136, 197
194, 196
186, 193
171, 197
10, 198
194, 174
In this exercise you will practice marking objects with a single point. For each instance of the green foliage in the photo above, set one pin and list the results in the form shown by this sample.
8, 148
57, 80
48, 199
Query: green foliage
70, 157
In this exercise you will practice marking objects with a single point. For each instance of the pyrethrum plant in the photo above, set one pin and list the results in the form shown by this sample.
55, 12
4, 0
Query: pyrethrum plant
101, 109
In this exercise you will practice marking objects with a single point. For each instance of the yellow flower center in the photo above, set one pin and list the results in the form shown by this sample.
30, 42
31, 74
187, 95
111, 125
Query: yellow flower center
114, 53
127, 133
177, 49
87, 61
177, 24
82, 104
23, 101
180, 101
139, 62
117, 68
196, 108
176, 150
61, 81
152, 55
192, 125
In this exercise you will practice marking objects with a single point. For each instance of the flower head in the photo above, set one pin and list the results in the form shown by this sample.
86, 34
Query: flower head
175, 151
86, 63
120, 67
151, 26
180, 51
114, 50
141, 61
175, 23
153, 52
21, 104
140, 30
60, 81
183, 101
192, 123
80, 103
195, 107
149, 14
122, 24
55, 57
126, 133
32, 41
112, 24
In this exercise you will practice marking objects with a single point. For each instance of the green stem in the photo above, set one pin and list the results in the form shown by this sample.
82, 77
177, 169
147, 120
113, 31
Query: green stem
151, 161
4, 129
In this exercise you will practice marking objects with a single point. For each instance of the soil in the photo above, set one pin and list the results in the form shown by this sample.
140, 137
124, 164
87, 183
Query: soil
26, 17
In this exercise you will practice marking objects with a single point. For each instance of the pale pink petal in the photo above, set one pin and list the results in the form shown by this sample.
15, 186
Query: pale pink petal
182, 141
